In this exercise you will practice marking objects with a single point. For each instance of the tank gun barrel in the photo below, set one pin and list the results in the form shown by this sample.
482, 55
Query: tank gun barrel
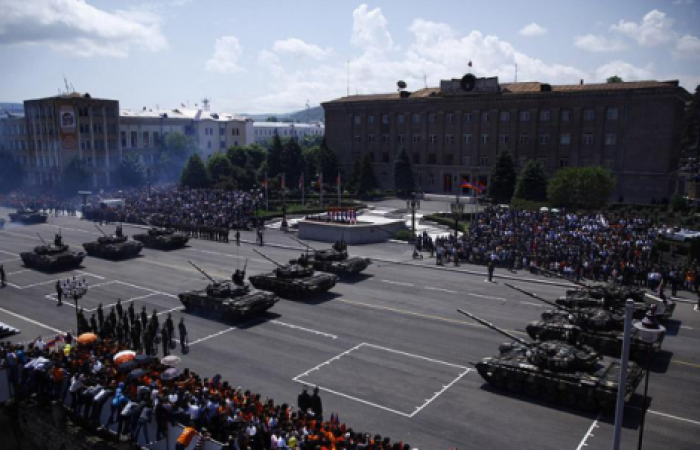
202, 272
101, 230
537, 297
495, 328
268, 258
577, 283
42, 239
302, 243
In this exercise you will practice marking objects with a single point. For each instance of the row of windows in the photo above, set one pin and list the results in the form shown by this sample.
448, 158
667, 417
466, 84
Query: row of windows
288, 132
6, 130
504, 116
503, 138
145, 139
14, 145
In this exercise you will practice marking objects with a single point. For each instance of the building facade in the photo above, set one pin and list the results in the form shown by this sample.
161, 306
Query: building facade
456, 131
13, 138
265, 131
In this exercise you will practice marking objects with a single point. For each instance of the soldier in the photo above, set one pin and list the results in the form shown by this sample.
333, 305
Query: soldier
59, 292
132, 313
148, 342
238, 277
136, 336
125, 331
183, 334
100, 315
3, 277
154, 321
491, 268
304, 400
93, 323
144, 317
57, 240
120, 233
120, 308
170, 326
238, 237
165, 340
120, 334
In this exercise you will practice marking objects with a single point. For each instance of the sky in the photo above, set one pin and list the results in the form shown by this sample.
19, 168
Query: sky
265, 56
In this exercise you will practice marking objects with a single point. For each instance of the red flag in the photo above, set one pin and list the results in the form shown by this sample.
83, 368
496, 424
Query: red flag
264, 183
320, 180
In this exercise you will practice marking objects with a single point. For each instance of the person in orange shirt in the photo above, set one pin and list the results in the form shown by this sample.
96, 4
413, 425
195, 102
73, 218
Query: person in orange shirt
185, 438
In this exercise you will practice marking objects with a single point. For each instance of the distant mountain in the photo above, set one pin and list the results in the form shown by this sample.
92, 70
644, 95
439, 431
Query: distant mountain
314, 114
11, 108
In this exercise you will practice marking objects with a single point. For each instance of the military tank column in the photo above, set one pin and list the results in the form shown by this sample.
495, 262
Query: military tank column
572, 374
334, 260
56, 256
227, 300
293, 281
162, 238
28, 216
116, 246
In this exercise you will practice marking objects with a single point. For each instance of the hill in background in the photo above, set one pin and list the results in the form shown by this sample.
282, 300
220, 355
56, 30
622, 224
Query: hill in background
6, 107
314, 114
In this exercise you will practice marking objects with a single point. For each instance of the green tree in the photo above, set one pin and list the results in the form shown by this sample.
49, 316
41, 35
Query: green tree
195, 175
581, 187
274, 157
219, 167
11, 173
327, 161
131, 171
310, 156
404, 184
292, 163
256, 155
354, 179
368, 180
238, 156
614, 79
503, 178
177, 147
532, 183
75, 177
271, 119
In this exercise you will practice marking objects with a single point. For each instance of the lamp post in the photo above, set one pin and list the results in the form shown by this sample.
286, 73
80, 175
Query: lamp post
77, 290
649, 331
413, 205
457, 211
284, 209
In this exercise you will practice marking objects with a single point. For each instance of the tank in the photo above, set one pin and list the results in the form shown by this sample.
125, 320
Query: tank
56, 256
115, 246
615, 296
162, 238
334, 260
601, 328
228, 300
28, 216
574, 375
293, 281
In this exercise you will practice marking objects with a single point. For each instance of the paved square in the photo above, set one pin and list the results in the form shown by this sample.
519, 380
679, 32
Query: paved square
392, 380
25, 278
109, 292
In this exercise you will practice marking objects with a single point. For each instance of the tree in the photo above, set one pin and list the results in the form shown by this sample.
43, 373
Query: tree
271, 119
194, 175
75, 177
238, 156
503, 178
177, 147
131, 171
292, 162
581, 187
404, 184
219, 167
310, 156
614, 79
11, 173
368, 180
256, 155
532, 183
274, 157
354, 176
327, 161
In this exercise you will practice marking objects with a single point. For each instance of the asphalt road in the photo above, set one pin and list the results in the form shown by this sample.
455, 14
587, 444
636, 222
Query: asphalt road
389, 350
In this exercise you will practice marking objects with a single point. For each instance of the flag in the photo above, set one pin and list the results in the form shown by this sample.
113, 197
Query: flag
264, 183
301, 181
320, 180
481, 185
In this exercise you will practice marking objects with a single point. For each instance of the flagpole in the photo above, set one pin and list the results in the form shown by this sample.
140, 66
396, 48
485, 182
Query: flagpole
267, 199
302, 189
320, 187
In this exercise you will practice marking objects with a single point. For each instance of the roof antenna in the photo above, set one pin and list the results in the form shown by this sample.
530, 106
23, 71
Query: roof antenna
425, 81
516, 72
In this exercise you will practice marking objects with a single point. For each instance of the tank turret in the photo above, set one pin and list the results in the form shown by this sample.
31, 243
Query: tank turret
333, 260
56, 256
296, 280
115, 246
161, 238
572, 374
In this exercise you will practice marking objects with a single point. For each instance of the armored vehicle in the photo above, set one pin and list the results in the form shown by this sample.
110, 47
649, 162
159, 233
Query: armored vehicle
601, 328
162, 238
228, 300
574, 375
28, 216
333, 260
293, 281
615, 296
56, 256
115, 246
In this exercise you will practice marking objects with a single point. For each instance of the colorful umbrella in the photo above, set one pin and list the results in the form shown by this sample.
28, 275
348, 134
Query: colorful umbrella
171, 360
143, 359
87, 338
127, 366
136, 374
124, 356
170, 374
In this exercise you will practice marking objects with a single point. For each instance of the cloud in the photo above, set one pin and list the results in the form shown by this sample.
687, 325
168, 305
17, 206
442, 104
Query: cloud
688, 47
654, 29
598, 44
299, 48
76, 28
227, 52
624, 70
369, 29
533, 30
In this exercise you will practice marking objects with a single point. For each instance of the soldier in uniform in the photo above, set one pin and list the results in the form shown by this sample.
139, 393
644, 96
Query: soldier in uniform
183, 334
165, 340
93, 324
170, 326
136, 335
120, 308
132, 313
154, 324
59, 292
144, 317
238, 277
100, 315
238, 237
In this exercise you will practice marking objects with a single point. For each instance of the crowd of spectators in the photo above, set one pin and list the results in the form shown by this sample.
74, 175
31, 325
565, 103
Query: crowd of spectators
87, 380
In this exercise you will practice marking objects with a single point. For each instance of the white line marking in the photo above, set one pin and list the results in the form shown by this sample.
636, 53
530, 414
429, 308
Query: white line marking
534, 304
685, 327
20, 235
90, 274
682, 419
487, 297
358, 400
212, 336
415, 356
209, 252
297, 327
8, 253
327, 362
397, 283
438, 393
146, 289
430, 288
18, 272
10, 260
55, 330
588, 434
170, 310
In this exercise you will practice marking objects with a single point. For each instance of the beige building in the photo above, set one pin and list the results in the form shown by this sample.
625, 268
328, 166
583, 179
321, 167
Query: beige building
13, 137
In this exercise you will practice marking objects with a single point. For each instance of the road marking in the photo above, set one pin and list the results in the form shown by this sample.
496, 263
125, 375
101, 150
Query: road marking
209, 252
90, 274
685, 363
487, 297
27, 319
206, 338
685, 327
146, 289
49, 282
533, 304
26, 236
8, 253
358, 400
682, 419
438, 393
399, 283
589, 433
297, 327
170, 310
18, 272
335, 358
10, 260
415, 356
430, 288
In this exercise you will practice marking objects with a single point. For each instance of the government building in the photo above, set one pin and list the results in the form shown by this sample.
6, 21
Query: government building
456, 131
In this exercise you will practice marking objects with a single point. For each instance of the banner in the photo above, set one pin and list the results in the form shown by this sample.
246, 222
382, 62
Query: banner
68, 121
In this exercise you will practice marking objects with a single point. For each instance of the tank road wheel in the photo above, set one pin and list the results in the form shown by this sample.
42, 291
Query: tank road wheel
587, 403
549, 393
532, 390
567, 398
498, 380
515, 386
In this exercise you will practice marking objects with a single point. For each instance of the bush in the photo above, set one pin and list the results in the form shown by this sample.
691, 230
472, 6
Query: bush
449, 221
519, 203
403, 235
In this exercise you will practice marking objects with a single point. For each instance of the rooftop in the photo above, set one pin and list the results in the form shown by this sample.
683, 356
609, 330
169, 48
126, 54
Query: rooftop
182, 113
287, 125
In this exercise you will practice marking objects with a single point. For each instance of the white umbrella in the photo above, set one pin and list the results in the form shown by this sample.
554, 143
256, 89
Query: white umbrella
171, 360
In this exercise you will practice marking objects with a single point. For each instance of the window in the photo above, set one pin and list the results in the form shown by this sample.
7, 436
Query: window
565, 115
503, 138
467, 161
524, 138
484, 161
433, 139
432, 117
400, 138
449, 117
468, 117
611, 114
416, 139
416, 118
585, 162
385, 139
524, 116
565, 139
610, 139
122, 135
385, 157
432, 158
370, 138
485, 117
401, 118
467, 139
358, 120
156, 139
370, 119
222, 131
222, 145
484, 138
544, 138
209, 146
134, 139
448, 158
587, 138
449, 138
358, 139
385, 119
588, 115
563, 162
145, 139
416, 158
545, 115
505, 116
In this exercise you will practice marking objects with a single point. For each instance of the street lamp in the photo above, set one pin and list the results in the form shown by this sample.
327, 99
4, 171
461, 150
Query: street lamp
649, 331
76, 291
413, 205
457, 211
284, 209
